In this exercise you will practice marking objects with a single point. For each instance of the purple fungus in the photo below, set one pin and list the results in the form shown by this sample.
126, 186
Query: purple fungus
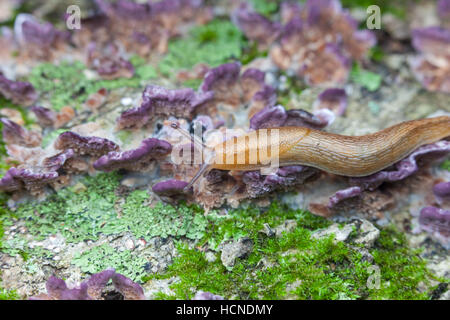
436, 221
269, 117
8, 183
136, 159
265, 97
277, 116
302, 118
258, 185
92, 146
431, 40
45, 117
57, 290
15, 134
21, 93
57, 161
442, 192
230, 87
170, 187
334, 99
432, 66
97, 282
404, 168
443, 9
94, 288
157, 22
255, 26
203, 295
221, 78
320, 33
38, 39
128, 288
108, 62
17, 179
161, 102
342, 195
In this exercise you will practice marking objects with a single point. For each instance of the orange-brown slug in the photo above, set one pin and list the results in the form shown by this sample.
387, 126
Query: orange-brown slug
352, 156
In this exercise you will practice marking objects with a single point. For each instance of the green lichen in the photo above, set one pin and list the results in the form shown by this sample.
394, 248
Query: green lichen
77, 215
310, 268
162, 220
213, 44
101, 257
89, 209
66, 84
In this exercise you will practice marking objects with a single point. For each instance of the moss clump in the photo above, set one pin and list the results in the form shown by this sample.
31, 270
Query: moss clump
369, 80
265, 7
446, 165
213, 44
8, 294
295, 265
104, 256
401, 268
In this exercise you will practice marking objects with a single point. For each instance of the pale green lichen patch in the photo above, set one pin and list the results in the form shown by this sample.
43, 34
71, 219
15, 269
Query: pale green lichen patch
66, 84
162, 220
78, 216
101, 257
81, 214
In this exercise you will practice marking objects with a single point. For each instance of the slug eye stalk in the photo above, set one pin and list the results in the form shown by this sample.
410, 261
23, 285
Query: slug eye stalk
208, 154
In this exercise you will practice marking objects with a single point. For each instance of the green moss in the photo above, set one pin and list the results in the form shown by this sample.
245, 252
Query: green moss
265, 7
252, 52
292, 87
312, 268
213, 44
8, 294
369, 80
104, 256
401, 268
446, 165
397, 8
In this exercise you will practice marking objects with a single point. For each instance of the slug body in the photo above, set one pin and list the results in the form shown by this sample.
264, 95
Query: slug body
352, 156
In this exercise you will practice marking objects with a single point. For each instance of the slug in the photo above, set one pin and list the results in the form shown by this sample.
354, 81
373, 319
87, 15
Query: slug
352, 156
